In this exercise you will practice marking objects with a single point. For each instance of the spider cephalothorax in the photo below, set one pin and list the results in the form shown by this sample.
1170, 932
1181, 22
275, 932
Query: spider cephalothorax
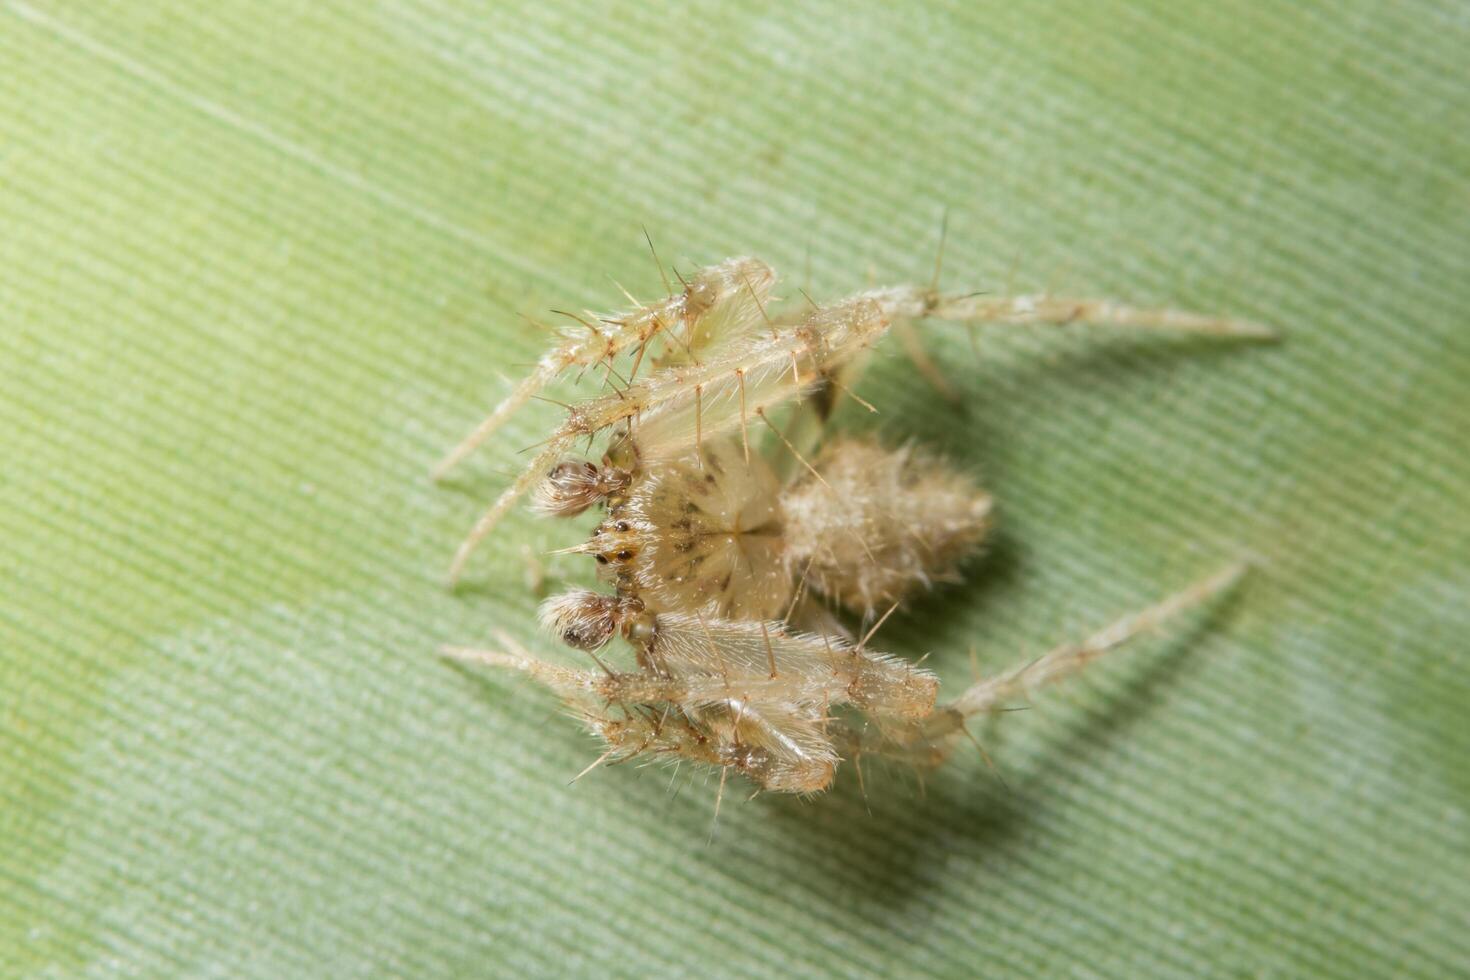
741, 555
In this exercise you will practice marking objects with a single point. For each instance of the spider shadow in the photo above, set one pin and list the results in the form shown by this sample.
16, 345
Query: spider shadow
1092, 364
880, 844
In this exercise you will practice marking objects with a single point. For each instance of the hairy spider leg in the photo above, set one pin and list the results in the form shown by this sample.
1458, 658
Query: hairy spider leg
709, 294
928, 742
915, 303
675, 405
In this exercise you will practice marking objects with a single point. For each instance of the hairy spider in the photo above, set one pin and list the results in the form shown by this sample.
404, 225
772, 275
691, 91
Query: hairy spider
733, 538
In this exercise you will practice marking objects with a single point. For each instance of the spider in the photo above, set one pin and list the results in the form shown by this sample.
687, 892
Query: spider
733, 538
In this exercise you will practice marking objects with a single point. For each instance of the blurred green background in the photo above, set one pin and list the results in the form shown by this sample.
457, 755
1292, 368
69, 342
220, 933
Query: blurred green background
263, 262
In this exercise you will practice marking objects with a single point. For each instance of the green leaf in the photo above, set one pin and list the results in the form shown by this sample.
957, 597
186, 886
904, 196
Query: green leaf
263, 262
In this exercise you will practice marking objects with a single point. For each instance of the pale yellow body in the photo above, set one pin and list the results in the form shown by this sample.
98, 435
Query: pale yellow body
731, 555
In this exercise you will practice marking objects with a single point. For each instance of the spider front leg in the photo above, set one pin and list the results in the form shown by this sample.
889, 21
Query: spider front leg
1020, 681
914, 303
906, 304
672, 411
928, 742
779, 744
716, 302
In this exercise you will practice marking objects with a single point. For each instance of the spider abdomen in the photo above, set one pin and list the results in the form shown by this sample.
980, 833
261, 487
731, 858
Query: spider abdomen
873, 524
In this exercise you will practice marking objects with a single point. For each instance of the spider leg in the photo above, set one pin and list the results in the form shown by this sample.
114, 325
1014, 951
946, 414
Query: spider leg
546, 370
717, 300
911, 302
1069, 658
903, 329
536, 470
927, 742
904, 304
